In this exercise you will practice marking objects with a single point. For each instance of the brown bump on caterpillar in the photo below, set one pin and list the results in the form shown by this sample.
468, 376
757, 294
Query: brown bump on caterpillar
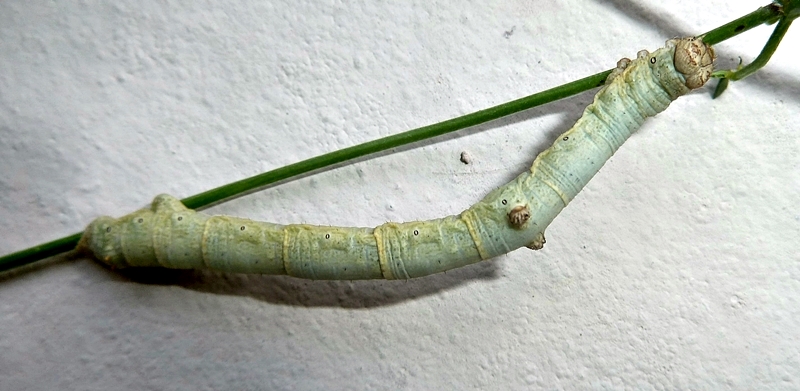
519, 216
621, 65
537, 243
695, 60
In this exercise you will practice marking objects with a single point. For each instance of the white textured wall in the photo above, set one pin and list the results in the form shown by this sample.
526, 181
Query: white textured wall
676, 268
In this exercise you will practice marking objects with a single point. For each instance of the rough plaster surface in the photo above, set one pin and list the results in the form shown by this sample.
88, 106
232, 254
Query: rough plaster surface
677, 268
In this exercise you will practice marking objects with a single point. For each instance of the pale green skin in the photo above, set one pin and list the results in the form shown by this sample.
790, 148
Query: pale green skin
172, 236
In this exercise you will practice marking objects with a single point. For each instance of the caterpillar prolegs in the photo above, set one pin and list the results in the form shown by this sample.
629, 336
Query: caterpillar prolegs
513, 215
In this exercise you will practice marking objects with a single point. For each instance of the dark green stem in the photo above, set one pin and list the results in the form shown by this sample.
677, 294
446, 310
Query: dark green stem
762, 15
762, 59
245, 185
765, 15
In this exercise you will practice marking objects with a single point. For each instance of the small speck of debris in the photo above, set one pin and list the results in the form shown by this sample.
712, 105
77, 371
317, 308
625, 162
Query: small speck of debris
465, 158
509, 33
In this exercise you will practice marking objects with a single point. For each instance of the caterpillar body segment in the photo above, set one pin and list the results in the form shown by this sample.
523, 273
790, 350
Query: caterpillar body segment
512, 216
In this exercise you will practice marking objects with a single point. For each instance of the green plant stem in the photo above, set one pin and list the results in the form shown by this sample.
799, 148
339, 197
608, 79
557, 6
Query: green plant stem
760, 61
764, 56
765, 14
425, 132
788, 10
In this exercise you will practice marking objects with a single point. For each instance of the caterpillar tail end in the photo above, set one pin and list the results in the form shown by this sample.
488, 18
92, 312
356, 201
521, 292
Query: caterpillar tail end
83, 247
97, 244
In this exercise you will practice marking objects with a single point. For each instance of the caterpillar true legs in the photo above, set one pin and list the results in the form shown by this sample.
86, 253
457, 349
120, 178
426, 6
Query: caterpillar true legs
514, 215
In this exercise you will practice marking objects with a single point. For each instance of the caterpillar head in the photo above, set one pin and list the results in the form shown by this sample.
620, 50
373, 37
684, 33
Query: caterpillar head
694, 59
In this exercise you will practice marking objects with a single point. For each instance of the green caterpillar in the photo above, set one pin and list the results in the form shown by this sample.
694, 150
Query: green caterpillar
514, 215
